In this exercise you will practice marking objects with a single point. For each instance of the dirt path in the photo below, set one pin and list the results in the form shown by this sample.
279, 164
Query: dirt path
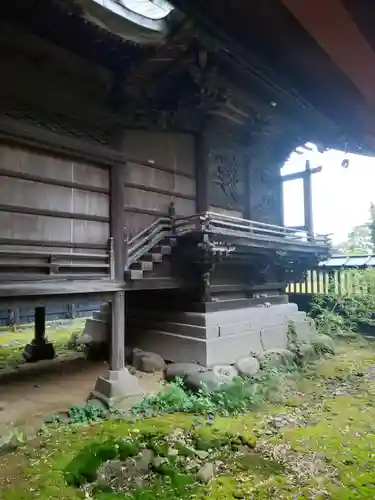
51, 387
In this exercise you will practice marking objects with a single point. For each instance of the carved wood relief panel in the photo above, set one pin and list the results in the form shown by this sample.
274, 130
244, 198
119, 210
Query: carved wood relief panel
265, 190
227, 163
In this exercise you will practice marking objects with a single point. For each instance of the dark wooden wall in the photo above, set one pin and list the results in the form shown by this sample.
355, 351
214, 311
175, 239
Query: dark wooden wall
170, 176
46, 199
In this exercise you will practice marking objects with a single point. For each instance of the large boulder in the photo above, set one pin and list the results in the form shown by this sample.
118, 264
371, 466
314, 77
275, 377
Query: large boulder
274, 358
225, 374
247, 366
204, 381
181, 370
148, 362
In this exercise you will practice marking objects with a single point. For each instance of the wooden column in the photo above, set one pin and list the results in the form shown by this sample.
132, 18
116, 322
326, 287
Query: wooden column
306, 176
117, 358
308, 199
202, 174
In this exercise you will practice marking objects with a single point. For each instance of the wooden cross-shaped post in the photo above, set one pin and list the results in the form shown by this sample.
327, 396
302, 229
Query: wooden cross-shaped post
308, 198
306, 175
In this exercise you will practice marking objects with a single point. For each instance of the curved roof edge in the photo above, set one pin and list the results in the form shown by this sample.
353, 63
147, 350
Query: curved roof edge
128, 24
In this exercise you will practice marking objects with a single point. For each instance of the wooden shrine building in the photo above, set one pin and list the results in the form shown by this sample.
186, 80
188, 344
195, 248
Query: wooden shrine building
140, 152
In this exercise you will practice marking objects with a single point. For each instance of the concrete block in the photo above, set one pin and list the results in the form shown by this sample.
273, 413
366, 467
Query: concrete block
102, 316
274, 337
234, 328
95, 331
306, 331
178, 328
183, 349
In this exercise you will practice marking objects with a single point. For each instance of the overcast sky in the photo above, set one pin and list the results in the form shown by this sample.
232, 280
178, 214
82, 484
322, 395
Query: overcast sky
341, 197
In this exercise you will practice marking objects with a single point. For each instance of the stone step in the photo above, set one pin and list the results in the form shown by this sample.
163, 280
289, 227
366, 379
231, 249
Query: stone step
195, 331
163, 249
143, 265
272, 315
153, 257
135, 274
144, 322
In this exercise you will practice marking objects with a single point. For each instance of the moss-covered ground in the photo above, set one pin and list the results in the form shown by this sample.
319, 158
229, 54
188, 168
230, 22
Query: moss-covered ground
318, 443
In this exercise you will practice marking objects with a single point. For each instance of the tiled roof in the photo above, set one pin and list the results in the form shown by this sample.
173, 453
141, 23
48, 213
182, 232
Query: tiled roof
349, 261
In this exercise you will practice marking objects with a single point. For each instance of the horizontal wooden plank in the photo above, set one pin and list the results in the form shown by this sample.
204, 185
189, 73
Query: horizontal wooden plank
42, 243
58, 199
156, 190
136, 164
52, 213
53, 182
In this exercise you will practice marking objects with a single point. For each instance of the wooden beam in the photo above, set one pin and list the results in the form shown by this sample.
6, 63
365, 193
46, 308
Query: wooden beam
331, 25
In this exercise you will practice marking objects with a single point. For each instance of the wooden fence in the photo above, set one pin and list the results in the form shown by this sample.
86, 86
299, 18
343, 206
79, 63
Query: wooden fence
338, 280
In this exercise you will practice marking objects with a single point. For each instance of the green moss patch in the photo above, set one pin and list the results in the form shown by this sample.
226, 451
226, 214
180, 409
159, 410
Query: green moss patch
317, 443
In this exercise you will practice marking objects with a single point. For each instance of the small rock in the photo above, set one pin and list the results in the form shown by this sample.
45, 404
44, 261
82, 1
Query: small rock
225, 374
205, 381
172, 452
6, 438
148, 362
181, 370
144, 461
108, 471
206, 473
247, 366
202, 454
157, 462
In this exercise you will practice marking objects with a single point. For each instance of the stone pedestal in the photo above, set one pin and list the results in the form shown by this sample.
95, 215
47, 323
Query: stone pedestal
39, 348
116, 387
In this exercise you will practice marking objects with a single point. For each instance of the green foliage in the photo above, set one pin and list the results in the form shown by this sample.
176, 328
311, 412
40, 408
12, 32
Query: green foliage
336, 313
238, 397
81, 415
323, 344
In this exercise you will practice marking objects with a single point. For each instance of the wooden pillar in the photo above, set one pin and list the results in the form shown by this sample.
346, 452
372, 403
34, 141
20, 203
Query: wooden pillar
40, 325
308, 199
202, 173
117, 358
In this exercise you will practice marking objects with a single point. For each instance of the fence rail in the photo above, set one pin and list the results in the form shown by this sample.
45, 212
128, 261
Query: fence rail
341, 281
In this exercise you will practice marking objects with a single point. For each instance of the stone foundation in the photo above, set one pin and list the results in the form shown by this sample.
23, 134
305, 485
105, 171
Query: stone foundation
217, 337
207, 338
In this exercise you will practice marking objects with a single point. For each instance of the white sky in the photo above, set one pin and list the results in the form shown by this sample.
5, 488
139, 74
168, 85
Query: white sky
341, 197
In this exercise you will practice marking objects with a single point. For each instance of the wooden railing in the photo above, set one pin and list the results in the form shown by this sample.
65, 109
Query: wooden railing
237, 227
340, 281
212, 222
21, 262
144, 241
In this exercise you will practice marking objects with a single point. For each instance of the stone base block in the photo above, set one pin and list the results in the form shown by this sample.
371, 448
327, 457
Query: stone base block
95, 332
116, 387
180, 348
219, 337
38, 351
